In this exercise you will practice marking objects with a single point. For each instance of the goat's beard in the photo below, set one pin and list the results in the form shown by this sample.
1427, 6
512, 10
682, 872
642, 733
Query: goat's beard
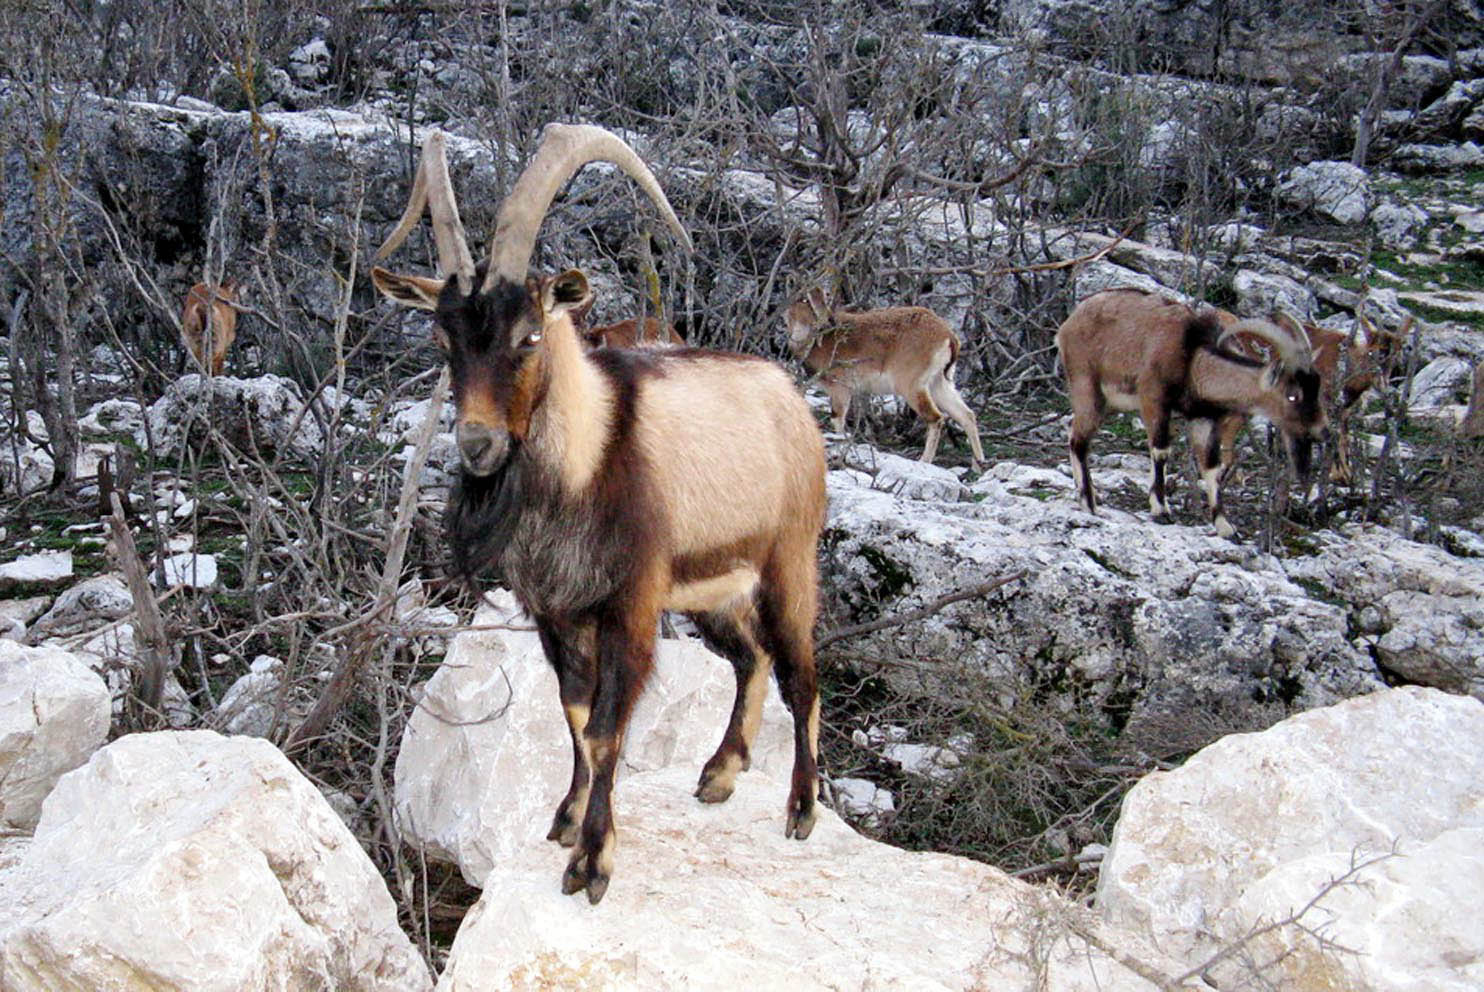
482, 513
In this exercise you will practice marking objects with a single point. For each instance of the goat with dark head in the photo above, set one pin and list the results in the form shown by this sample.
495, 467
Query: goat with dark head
1129, 350
607, 486
1364, 362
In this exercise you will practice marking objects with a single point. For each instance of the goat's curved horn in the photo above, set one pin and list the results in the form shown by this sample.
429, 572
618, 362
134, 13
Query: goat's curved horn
1289, 342
432, 188
564, 149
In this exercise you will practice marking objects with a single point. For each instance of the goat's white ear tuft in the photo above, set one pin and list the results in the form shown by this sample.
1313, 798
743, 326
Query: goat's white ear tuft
408, 291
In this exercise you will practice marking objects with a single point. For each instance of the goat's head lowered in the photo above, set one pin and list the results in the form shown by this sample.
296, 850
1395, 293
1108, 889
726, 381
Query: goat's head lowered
494, 320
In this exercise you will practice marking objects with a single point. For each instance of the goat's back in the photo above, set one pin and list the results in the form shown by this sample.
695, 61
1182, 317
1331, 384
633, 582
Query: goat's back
896, 344
625, 334
1122, 335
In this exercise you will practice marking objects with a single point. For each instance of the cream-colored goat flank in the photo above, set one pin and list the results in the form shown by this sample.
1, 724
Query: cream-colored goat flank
730, 440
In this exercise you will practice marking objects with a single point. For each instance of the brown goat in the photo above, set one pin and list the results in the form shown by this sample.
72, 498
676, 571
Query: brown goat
625, 334
607, 486
1130, 350
906, 351
1364, 363
210, 317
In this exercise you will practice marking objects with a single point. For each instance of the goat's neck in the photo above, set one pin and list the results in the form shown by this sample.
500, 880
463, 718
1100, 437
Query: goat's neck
1220, 380
570, 428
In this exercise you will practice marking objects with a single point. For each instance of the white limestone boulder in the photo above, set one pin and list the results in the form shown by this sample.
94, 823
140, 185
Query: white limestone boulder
1421, 610
41, 568
1441, 382
188, 860
1265, 292
1337, 190
1255, 826
53, 714
263, 414
86, 606
111, 417
1162, 625
486, 755
715, 897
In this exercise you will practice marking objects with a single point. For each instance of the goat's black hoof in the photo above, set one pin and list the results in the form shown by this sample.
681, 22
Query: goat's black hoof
713, 792
574, 879
1163, 518
580, 875
801, 819
563, 830
719, 779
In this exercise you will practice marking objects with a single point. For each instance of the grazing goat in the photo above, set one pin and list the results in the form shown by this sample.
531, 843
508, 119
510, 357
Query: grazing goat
210, 317
625, 334
1130, 350
607, 486
1364, 363
907, 351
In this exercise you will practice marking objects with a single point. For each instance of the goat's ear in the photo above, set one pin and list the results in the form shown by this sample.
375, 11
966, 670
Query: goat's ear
1272, 376
408, 291
566, 293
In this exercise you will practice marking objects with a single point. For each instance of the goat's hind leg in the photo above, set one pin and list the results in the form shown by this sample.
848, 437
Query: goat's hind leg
733, 635
1087, 417
952, 403
921, 401
786, 607
571, 652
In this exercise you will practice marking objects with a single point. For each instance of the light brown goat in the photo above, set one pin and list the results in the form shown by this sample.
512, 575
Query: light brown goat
607, 486
1130, 350
906, 351
210, 319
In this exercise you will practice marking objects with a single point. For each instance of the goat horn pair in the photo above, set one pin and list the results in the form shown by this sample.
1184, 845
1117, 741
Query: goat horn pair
1284, 333
564, 149
433, 189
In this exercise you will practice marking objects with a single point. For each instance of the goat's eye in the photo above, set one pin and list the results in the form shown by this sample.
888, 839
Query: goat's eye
1294, 398
532, 338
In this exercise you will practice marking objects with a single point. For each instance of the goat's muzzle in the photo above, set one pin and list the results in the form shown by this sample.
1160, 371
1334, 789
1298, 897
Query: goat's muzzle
482, 449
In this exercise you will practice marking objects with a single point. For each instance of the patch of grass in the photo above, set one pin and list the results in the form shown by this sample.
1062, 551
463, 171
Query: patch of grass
892, 578
1301, 546
1460, 272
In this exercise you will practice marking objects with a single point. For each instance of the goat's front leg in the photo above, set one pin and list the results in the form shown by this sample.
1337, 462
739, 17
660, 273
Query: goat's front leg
1206, 443
625, 655
571, 652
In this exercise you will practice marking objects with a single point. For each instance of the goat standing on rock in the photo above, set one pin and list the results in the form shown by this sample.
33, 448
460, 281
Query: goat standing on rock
607, 486
907, 351
1130, 350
